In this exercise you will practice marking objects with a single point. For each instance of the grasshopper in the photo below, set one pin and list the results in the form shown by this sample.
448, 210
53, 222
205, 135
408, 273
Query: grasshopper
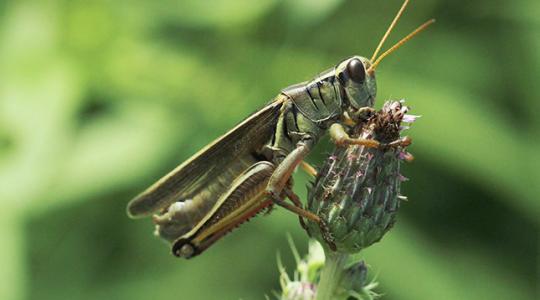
249, 168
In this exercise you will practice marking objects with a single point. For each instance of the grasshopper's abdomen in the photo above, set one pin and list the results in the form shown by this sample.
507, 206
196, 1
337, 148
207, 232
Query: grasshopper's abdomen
184, 215
245, 198
320, 99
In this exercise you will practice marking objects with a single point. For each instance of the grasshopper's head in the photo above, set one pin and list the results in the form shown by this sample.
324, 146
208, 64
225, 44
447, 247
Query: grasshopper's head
358, 84
356, 75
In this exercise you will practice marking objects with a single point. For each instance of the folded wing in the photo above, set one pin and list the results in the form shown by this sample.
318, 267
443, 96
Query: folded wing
210, 171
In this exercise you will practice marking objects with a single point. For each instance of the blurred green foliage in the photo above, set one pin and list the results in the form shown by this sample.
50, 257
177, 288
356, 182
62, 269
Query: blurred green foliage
100, 98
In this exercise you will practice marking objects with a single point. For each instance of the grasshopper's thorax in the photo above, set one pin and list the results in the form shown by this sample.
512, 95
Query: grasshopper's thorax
347, 87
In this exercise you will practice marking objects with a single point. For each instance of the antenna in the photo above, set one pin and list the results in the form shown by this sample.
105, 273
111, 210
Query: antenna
392, 25
399, 44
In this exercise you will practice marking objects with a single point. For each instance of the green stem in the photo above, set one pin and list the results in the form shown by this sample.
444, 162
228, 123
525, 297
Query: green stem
331, 274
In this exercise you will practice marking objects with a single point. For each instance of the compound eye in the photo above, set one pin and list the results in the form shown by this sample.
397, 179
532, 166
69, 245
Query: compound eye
356, 70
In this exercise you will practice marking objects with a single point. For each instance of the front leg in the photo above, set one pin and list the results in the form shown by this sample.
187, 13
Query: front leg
340, 137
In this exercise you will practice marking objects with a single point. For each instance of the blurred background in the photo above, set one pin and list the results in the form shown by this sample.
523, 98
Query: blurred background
98, 99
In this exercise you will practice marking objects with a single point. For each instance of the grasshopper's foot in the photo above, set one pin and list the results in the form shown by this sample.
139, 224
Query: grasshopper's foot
326, 235
305, 214
402, 142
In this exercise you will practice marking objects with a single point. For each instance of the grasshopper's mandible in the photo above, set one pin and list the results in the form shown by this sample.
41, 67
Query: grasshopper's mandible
249, 168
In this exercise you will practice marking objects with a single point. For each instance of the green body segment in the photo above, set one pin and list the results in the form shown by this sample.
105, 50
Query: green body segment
190, 200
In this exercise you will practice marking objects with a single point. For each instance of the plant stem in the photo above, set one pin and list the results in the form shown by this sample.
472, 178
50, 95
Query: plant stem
331, 274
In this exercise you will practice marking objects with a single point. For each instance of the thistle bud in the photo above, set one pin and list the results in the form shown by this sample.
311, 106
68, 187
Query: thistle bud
303, 285
353, 283
357, 191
